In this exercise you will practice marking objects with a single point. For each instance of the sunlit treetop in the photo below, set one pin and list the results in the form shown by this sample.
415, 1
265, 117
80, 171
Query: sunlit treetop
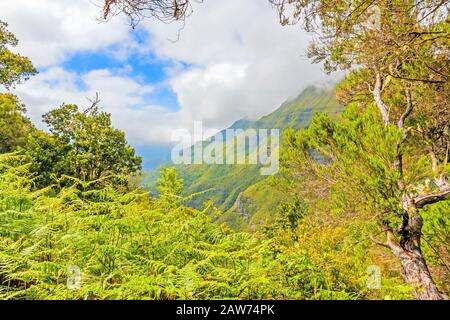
14, 68
377, 33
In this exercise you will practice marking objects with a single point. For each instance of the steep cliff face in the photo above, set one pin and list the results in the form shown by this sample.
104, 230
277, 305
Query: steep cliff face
256, 206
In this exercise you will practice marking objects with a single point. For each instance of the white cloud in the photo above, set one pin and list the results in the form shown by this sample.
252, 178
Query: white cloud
50, 30
240, 63
125, 99
216, 100
239, 33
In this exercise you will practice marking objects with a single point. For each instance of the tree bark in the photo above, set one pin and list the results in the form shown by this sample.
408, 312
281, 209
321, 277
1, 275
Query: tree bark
413, 265
384, 110
408, 251
417, 275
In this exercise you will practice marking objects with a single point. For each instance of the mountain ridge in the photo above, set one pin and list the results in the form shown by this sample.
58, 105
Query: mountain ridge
227, 182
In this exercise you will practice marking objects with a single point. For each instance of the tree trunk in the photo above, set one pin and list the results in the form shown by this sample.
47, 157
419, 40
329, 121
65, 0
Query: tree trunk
407, 247
416, 274
413, 265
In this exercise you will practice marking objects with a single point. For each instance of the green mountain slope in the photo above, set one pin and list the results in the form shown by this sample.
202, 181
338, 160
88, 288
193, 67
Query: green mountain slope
255, 206
227, 182
299, 112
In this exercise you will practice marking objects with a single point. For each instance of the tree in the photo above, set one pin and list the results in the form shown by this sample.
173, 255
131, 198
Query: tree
14, 68
14, 126
164, 10
81, 144
170, 187
397, 52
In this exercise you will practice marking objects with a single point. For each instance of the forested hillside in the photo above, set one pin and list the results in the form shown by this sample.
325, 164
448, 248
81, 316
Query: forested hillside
225, 182
358, 210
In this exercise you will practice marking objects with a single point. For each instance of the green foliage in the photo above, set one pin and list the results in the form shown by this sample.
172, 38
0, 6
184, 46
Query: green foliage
324, 257
82, 145
351, 160
14, 126
344, 170
255, 207
170, 186
128, 246
436, 239
14, 68
290, 213
388, 169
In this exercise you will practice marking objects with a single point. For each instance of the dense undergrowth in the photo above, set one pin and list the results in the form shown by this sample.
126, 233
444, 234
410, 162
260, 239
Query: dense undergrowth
112, 244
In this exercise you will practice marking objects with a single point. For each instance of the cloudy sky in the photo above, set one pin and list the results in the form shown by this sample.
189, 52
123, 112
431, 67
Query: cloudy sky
233, 60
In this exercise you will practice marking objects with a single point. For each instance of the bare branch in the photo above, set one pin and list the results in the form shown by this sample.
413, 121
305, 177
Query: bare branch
378, 100
380, 243
94, 103
409, 108
431, 198
166, 11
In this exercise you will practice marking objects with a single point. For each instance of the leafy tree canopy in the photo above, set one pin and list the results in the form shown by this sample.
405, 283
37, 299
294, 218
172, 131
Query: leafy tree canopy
81, 144
14, 68
14, 126
397, 53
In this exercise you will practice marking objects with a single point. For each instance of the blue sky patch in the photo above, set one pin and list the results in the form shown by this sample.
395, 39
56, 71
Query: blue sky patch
145, 68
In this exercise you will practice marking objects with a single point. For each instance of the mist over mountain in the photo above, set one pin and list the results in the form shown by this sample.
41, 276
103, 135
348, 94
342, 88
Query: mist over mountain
154, 155
225, 183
